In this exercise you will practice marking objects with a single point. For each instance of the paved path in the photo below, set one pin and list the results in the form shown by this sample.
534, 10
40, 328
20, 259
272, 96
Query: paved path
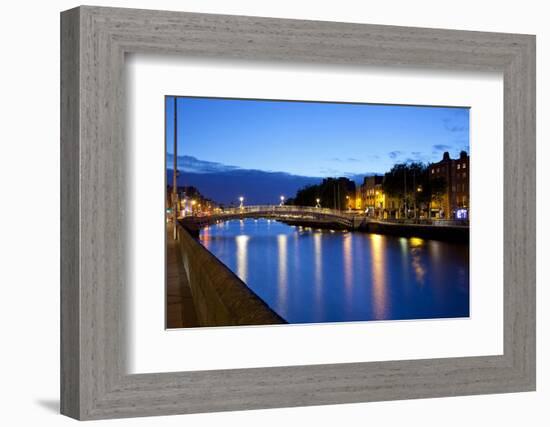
180, 309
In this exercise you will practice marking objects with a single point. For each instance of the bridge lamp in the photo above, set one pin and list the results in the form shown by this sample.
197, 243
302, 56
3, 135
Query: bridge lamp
282, 200
318, 203
241, 199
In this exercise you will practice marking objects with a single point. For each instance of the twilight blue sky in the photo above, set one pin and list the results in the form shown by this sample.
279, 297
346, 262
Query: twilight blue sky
310, 139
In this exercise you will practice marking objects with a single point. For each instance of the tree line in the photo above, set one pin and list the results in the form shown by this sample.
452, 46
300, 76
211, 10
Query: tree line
330, 193
410, 183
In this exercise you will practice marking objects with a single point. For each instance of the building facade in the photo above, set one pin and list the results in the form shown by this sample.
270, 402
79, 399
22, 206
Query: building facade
372, 196
453, 202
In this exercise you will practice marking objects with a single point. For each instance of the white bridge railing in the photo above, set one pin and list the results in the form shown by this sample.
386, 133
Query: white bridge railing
278, 210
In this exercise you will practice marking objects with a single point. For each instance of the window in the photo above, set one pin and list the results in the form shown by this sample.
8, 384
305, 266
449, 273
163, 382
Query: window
463, 165
433, 170
458, 166
454, 188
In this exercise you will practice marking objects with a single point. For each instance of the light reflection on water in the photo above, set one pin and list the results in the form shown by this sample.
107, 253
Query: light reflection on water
308, 275
242, 256
282, 278
379, 285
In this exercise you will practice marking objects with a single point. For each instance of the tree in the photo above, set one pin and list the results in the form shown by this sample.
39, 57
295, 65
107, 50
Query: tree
305, 196
332, 193
408, 182
437, 189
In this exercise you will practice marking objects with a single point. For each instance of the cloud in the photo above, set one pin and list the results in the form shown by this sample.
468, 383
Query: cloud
453, 127
394, 154
353, 159
441, 147
194, 165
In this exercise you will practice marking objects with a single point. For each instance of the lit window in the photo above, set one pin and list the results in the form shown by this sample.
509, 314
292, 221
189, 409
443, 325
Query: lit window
463, 165
433, 170
458, 166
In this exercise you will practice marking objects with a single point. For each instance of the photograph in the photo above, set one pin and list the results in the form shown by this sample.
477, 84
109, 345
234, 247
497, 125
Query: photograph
308, 212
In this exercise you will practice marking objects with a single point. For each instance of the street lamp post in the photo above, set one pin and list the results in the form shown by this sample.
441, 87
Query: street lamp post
318, 205
418, 190
282, 201
175, 171
241, 200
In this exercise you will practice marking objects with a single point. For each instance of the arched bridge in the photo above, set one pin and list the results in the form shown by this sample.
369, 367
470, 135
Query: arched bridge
292, 214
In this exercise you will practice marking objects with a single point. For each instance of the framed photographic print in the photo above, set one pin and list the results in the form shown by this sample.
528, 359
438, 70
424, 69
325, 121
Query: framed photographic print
262, 213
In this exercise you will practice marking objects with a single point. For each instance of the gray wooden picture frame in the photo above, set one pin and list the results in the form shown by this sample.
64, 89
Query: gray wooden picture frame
94, 382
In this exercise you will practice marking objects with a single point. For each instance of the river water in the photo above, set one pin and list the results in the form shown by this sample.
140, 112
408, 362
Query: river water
312, 276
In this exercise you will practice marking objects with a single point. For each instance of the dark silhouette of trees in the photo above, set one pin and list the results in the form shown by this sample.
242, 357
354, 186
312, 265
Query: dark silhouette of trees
437, 189
331, 193
411, 183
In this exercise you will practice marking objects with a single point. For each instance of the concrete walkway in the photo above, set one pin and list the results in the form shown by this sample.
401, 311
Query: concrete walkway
180, 309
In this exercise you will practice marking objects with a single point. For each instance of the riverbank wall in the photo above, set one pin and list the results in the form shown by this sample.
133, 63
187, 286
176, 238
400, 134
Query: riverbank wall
448, 233
220, 297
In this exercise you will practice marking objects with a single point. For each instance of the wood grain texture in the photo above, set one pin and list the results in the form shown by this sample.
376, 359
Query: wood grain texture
69, 153
94, 238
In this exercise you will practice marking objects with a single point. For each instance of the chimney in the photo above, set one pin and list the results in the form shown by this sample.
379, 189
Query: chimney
446, 156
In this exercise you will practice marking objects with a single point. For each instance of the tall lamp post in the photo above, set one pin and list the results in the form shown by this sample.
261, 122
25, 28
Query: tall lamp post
241, 200
318, 205
175, 172
282, 201
418, 191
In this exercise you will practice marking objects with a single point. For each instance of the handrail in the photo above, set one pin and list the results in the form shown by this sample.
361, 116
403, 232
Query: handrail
281, 209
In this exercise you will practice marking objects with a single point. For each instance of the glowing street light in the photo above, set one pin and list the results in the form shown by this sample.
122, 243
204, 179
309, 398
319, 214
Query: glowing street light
241, 200
282, 201
318, 205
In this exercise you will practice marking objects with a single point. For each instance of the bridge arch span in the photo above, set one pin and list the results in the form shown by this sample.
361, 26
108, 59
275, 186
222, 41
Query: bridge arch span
295, 214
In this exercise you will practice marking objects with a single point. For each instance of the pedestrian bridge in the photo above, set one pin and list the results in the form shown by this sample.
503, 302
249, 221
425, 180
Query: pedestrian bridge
294, 214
